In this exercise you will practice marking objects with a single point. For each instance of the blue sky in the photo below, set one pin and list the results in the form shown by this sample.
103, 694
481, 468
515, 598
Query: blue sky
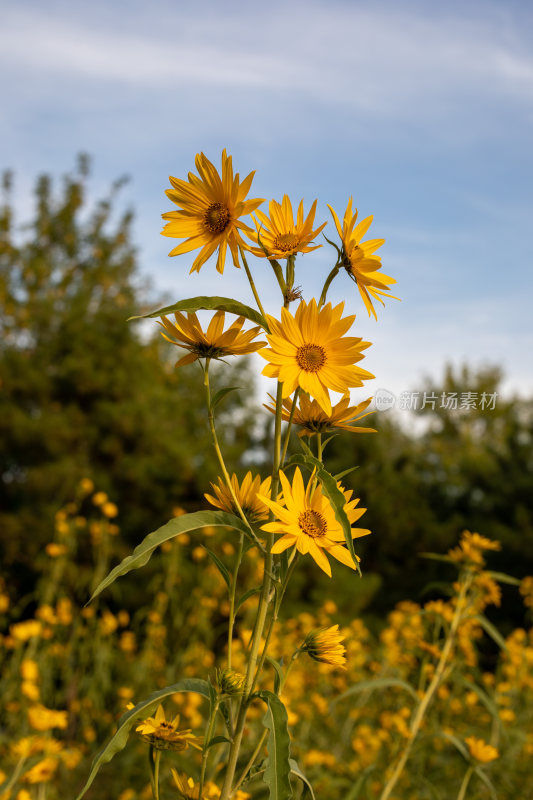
422, 111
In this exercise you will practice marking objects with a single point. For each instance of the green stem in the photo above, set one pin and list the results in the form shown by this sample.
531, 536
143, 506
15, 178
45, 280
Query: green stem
232, 597
251, 281
205, 750
334, 272
155, 758
430, 691
261, 616
319, 449
289, 425
464, 785
263, 736
220, 457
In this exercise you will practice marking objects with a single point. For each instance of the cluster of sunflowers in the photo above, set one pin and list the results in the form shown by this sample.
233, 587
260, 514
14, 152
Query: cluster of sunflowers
260, 692
69, 672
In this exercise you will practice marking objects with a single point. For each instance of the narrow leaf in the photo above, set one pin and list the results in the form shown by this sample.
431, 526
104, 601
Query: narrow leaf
344, 473
217, 740
184, 524
220, 566
493, 632
209, 304
501, 577
221, 394
436, 557
246, 596
278, 673
278, 767
141, 711
488, 783
378, 683
295, 769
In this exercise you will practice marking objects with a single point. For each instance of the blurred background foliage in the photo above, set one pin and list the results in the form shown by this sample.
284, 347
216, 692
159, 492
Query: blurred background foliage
84, 394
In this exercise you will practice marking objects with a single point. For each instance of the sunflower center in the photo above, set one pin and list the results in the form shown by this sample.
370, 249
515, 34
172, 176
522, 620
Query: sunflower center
312, 523
311, 357
286, 242
216, 218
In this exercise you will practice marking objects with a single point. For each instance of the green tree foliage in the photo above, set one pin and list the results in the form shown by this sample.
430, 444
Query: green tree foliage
83, 393
467, 469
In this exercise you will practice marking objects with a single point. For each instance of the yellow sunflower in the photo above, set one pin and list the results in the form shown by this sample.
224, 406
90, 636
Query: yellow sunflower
246, 494
310, 350
164, 734
189, 790
326, 646
359, 260
307, 521
210, 209
280, 235
215, 342
313, 419
481, 751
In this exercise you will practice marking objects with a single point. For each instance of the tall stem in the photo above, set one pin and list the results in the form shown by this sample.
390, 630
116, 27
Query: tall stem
232, 598
464, 785
261, 616
205, 750
251, 281
329, 279
220, 457
289, 426
430, 691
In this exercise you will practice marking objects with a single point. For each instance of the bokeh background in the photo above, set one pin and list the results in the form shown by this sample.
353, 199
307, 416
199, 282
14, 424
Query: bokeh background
420, 111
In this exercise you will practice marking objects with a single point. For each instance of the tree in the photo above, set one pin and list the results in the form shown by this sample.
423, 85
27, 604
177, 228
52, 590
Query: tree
83, 394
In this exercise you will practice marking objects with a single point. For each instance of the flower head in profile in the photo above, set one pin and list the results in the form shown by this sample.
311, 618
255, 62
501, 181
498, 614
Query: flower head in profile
280, 235
307, 521
325, 645
310, 350
43, 771
313, 419
230, 682
245, 492
215, 342
211, 207
164, 734
189, 790
360, 261
481, 751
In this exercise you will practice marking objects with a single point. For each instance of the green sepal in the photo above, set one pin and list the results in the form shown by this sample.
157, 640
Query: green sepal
140, 711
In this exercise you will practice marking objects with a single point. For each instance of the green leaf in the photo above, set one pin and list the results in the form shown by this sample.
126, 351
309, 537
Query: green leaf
175, 527
493, 632
278, 768
217, 740
457, 743
488, 783
344, 473
210, 304
378, 683
141, 711
436, 557
335, 496
220, 566
246, 596
295, 769
487, 701
278, 677
221, 394
501, 577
